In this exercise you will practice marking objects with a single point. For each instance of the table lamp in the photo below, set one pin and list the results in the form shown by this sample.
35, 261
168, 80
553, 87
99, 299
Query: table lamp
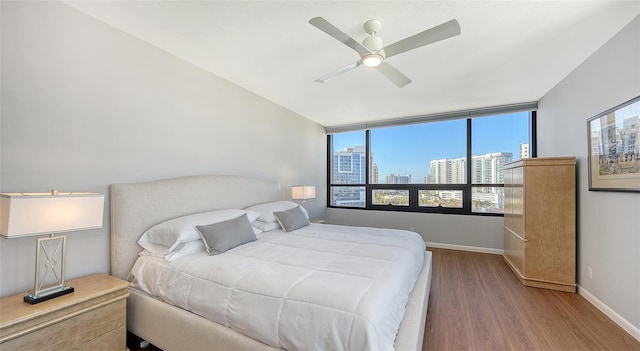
303, 192
27, 214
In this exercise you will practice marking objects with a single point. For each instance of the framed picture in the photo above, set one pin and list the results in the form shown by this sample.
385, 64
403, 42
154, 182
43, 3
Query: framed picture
614, 148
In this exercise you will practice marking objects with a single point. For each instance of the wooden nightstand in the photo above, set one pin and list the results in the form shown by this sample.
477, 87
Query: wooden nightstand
91, 318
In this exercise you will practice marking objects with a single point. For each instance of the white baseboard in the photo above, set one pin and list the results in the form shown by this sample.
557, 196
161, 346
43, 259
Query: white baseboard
465, 248
613, 315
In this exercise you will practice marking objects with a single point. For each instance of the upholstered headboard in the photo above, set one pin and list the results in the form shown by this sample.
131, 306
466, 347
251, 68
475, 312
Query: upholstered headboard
135, 207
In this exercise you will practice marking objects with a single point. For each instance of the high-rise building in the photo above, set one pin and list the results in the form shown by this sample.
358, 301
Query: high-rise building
630, 138
398, 179
485, 169
620, 144
447, 171
524, 150
488, 169
374, 174
349, 166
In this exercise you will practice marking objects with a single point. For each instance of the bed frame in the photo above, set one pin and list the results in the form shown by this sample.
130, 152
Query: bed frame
135, 207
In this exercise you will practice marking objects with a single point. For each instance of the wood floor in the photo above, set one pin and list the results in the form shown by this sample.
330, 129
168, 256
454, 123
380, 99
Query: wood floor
476, 303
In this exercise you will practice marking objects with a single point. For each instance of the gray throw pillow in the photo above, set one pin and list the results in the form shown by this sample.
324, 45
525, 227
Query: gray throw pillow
292, 219
222, 236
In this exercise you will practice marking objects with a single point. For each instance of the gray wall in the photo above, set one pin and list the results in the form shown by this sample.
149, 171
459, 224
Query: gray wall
84, 105
608, 222
474, 233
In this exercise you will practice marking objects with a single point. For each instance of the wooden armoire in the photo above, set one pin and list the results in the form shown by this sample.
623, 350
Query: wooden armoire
540, 221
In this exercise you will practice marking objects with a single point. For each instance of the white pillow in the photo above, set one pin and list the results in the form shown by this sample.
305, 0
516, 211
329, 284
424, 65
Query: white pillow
265, 227
186, 249
267, 209
166, 237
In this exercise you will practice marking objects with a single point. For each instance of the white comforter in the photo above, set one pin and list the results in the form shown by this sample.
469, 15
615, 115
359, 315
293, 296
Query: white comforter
322, 287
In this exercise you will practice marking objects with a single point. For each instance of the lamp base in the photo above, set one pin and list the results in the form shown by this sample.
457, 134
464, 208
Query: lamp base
63, 290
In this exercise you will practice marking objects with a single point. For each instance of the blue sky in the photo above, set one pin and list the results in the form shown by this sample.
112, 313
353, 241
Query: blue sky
409, 149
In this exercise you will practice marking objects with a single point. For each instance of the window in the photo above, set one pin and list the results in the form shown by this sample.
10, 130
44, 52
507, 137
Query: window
496, 141
443, 166
406, 154
348, 196
440, 198
348, 161
395, 197
348, 167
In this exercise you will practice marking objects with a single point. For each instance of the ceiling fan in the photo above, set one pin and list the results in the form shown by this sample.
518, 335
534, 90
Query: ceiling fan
374, 54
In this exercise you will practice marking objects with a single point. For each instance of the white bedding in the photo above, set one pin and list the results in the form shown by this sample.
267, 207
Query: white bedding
321, 287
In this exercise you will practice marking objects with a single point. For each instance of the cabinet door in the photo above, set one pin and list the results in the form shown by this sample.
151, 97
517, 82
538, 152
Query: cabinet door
508, 198
517, 197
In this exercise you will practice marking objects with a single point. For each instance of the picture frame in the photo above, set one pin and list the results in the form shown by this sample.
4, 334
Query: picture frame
614, 148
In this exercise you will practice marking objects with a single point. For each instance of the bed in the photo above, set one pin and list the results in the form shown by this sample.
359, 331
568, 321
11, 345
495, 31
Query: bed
136, 207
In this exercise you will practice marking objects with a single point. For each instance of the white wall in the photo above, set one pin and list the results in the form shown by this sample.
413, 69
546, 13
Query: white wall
84, 105
608, 236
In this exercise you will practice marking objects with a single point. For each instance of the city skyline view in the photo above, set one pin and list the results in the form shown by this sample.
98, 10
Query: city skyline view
408, 150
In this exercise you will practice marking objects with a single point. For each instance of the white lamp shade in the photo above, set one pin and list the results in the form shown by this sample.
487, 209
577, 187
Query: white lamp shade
23, 214
303, 192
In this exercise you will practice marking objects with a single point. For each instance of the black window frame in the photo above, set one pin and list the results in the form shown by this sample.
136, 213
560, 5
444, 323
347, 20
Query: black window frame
413, 189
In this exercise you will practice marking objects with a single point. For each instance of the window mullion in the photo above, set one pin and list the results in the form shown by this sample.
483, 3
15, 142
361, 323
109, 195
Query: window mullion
466, 192
367, 174
329, 165
533, 117
413, 198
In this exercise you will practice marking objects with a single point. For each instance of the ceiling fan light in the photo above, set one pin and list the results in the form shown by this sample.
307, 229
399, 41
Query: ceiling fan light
372, 60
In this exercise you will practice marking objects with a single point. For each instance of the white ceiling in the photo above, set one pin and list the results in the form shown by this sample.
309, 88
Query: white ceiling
508, 52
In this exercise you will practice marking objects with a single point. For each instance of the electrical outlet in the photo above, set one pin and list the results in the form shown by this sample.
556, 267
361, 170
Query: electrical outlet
590, 273
412, 229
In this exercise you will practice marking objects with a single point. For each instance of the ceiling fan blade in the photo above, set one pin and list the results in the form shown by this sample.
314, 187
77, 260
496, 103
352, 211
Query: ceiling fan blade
429, 36
330, 29
393, 74
342, 70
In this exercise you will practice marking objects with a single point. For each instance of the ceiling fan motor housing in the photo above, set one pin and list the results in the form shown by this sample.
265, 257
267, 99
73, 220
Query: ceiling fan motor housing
373, 43
372, 26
